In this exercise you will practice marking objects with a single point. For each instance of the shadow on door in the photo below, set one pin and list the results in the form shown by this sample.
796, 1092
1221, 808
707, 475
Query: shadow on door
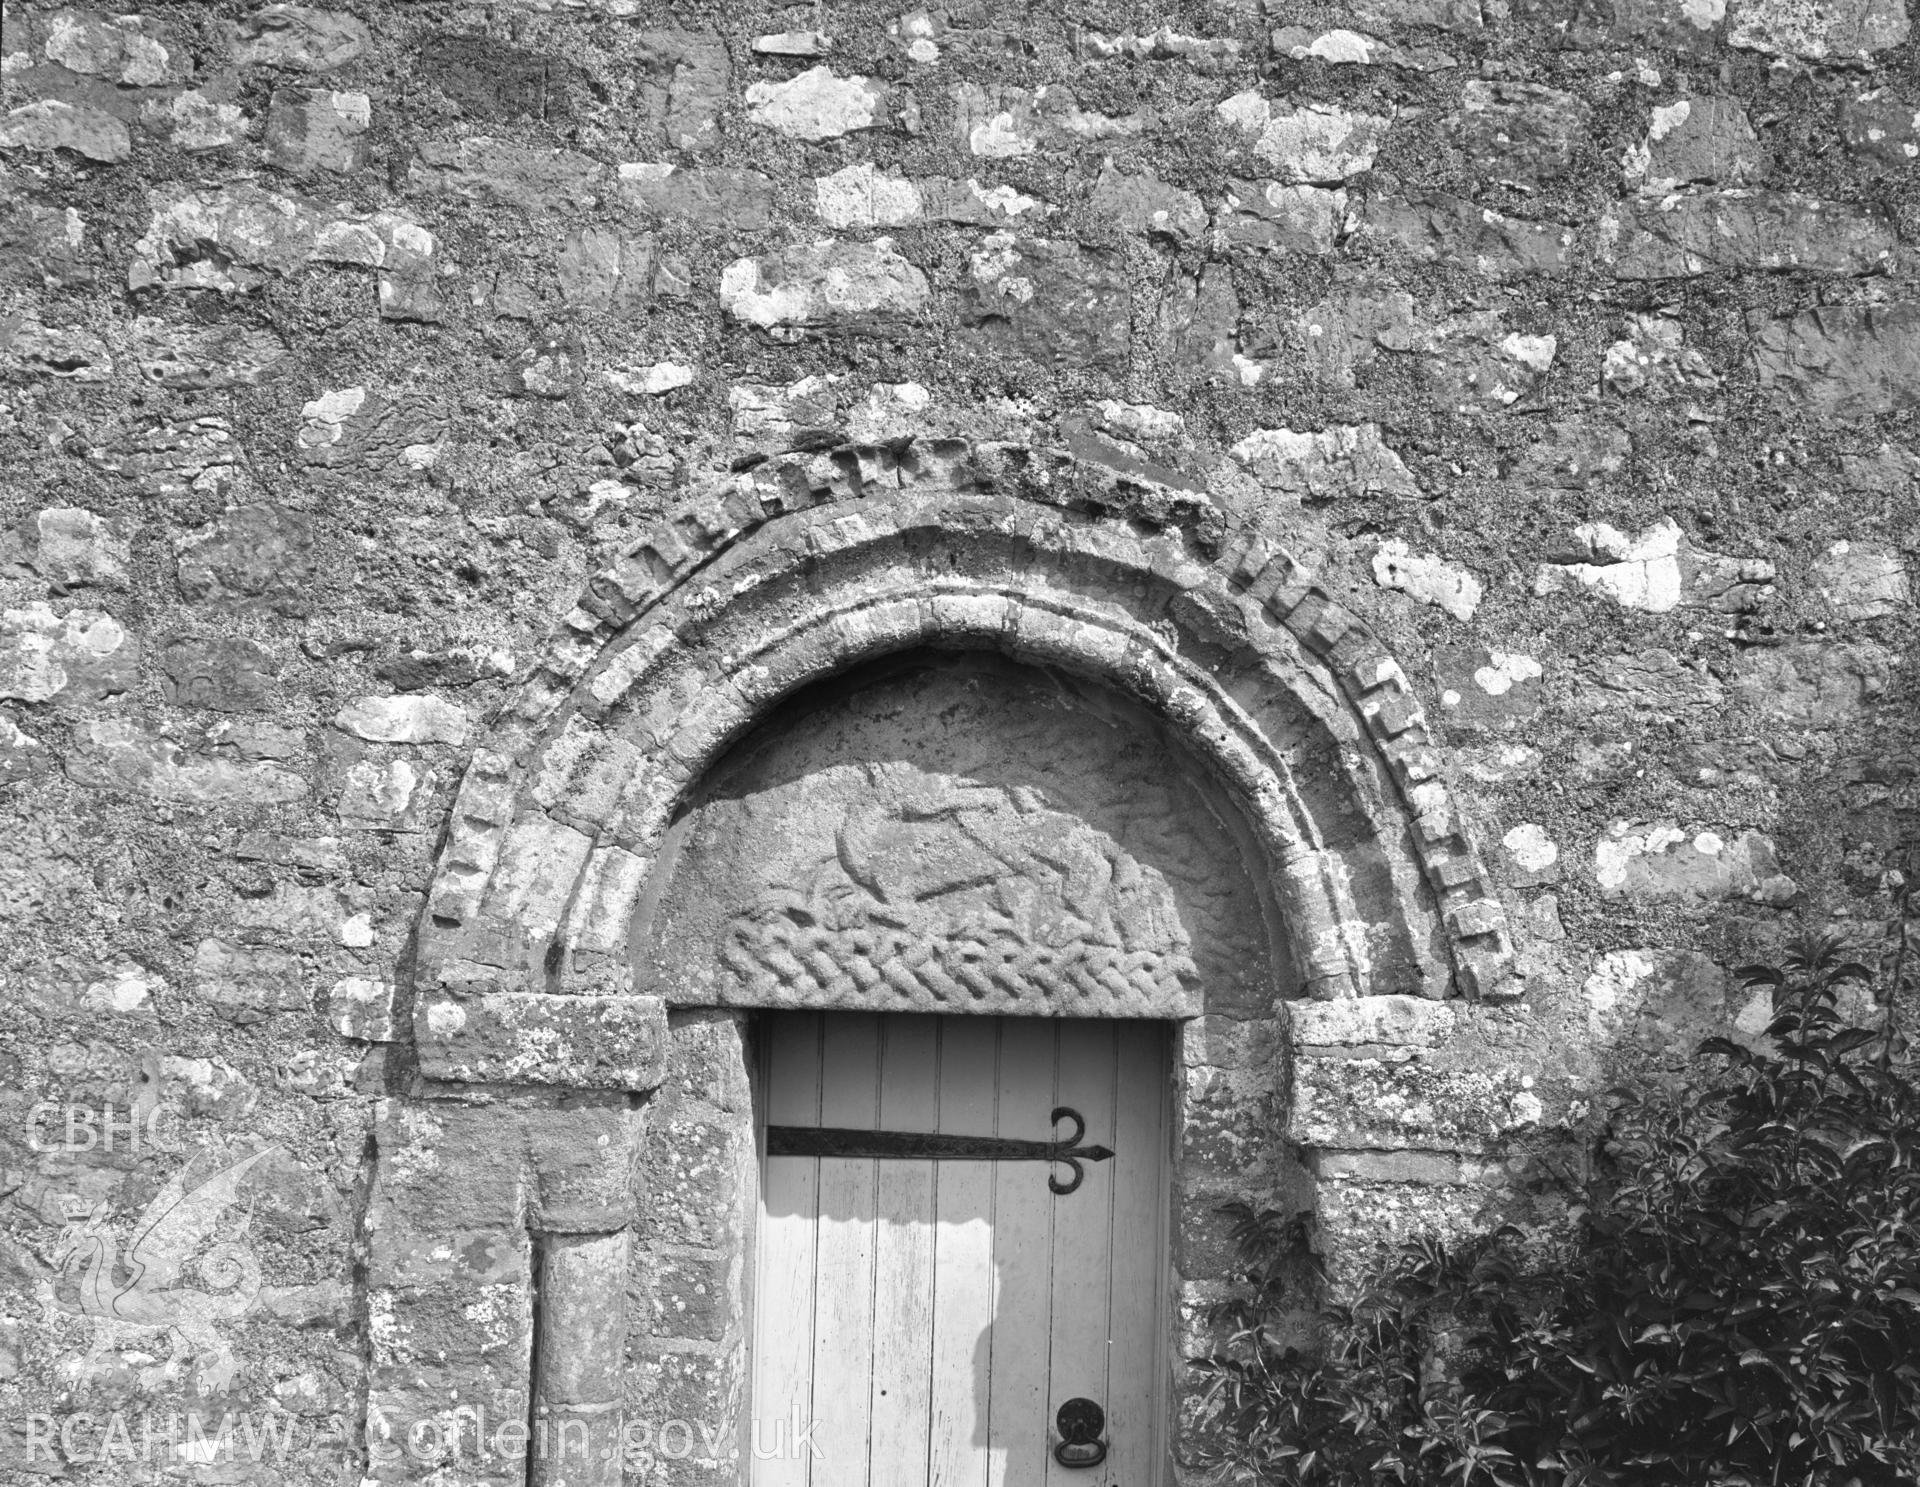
921, 1320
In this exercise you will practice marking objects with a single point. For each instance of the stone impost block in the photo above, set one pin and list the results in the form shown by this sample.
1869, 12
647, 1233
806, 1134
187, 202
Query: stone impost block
1401, 1021
522, 1037
1348, 1104
1442, 1168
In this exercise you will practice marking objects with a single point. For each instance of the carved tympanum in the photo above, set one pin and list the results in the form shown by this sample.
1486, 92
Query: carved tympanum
962, 835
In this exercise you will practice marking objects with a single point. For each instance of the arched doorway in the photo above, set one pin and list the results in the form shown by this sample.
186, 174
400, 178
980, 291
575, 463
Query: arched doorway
603, 1271
1000, 894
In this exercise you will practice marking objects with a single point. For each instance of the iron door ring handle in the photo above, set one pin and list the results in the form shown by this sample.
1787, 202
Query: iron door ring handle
1076, 1453
1080, 1422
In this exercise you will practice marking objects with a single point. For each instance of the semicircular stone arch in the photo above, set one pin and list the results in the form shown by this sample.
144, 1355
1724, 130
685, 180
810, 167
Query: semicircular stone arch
805, 567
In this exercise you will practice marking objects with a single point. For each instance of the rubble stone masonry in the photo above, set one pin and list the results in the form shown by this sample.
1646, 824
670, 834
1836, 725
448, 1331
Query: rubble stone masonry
1484, 433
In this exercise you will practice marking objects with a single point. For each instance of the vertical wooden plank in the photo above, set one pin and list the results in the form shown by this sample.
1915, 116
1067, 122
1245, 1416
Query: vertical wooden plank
843, 1321
1137, 1362
963, 1259
1082, 1235
903, 1277
1023, 1215
783, 1299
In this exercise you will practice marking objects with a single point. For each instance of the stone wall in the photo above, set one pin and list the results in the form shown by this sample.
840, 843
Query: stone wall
1539, 378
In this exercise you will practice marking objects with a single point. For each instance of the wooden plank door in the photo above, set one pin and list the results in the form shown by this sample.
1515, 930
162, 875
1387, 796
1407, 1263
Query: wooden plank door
918, 1322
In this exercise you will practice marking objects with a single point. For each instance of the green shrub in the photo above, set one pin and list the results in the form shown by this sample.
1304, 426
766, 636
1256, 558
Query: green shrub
1736, 1299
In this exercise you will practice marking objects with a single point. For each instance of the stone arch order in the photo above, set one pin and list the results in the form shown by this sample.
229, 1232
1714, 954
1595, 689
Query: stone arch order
804, 567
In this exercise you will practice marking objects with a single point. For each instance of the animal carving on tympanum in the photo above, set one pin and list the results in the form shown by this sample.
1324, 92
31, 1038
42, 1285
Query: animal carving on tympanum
942, 892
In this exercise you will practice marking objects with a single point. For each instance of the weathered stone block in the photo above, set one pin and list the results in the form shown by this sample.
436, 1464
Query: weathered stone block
1362, 1220
1437, 228
253, 557
1357, 49
40, 245
247, 982
1814, 684
311, 129
1665, 862
1289, 219
1314, 143
1840, 30
1571, 454
857, 195
84, 655
1438, 1168
1655, 1005
381, 795
1706, 140
1051, 302
494, 81
1472, 363
577, 1042
1352, 1104
32, 350
1844, 361
1881, 128
735, 199
362, 1007
694, 1164
1659, 570
683, 85
538, 181
405, 719
1147, 206
817, 104
192, 357
118, 753
1862, 580
1396, 1021
1525, 133
69, 548
240, 237
1429, 579
1462, 16
1683, 236
825, 282
1483, 690
691, 1295
1532, 857
1345, 460
225, 673
301, 38
53, 125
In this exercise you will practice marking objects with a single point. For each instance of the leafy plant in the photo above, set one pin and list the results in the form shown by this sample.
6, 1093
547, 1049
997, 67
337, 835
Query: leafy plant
1735, 1302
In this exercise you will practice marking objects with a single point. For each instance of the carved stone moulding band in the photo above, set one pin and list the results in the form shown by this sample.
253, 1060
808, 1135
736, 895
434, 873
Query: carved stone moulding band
807, 567
696, 723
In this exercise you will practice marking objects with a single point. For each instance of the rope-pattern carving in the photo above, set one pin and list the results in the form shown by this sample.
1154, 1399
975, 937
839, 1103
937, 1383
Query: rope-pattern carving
967, 895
